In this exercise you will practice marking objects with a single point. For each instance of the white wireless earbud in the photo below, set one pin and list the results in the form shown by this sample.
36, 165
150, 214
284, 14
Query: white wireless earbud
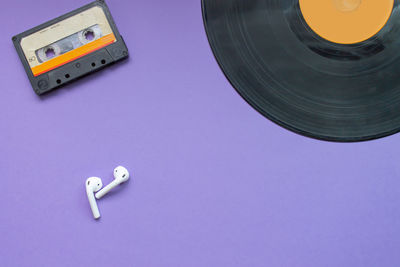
93, 184
121, 175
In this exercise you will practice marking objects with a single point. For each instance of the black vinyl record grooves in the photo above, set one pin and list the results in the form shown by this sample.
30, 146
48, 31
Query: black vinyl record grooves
301, 81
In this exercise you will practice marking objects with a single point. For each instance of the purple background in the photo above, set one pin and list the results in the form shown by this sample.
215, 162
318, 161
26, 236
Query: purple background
214, 183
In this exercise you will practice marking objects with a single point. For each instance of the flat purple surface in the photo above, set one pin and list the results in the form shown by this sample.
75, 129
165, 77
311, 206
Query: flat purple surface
214, 183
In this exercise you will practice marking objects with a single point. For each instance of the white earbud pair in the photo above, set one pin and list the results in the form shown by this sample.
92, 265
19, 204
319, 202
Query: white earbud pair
94, 184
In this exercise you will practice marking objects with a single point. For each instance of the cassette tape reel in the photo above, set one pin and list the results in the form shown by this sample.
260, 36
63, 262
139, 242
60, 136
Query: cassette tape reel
69, 47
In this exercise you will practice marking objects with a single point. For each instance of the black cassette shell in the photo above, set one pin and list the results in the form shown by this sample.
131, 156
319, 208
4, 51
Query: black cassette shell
80, 67
302, 82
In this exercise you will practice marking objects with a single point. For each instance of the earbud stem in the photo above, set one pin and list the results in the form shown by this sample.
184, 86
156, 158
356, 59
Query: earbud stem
106, 189
93, 205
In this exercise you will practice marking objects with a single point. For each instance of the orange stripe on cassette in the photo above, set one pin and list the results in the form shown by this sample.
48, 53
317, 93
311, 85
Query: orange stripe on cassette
73, 55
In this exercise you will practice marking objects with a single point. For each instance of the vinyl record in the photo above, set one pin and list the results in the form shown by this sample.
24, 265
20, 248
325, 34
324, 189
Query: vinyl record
327, 69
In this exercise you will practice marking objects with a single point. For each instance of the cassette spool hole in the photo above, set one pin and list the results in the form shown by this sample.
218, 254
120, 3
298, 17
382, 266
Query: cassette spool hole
89, 35
49, 52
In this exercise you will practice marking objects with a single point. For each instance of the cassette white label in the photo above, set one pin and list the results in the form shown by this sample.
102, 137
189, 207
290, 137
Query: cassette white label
67, 40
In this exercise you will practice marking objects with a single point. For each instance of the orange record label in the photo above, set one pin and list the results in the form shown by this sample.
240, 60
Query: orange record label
346, 21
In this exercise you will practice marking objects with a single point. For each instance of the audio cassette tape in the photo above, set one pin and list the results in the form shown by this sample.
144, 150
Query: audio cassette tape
69, 47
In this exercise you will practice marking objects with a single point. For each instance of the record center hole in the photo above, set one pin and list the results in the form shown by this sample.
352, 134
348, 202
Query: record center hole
89, 35
50, 53
58, 81
93, 64
347, 5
